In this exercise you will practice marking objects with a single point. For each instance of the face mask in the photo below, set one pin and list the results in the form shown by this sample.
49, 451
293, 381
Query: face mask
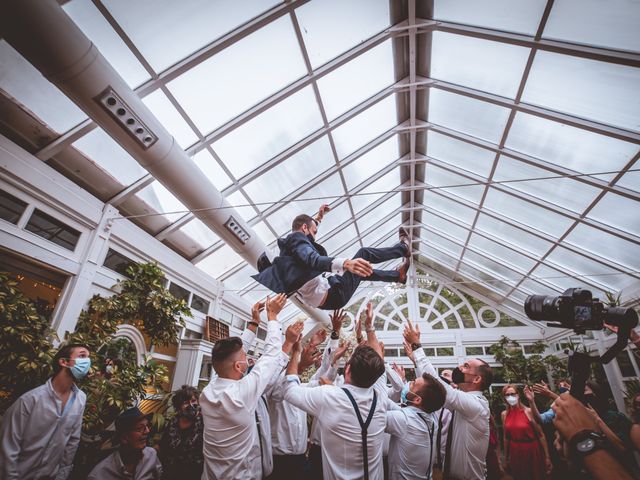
190, 412
246, 372
563, 390
511, 400
403, 394
80, 368
457, 376
108, 369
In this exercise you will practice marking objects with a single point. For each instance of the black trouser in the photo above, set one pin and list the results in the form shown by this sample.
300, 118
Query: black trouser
342, 287
315, 461
288, 467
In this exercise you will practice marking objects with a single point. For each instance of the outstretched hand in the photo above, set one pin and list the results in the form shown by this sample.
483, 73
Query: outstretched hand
411, 333
255, 311
337, 319
408, 350
358, 266
368, 319
339, 352
324, 208
399, 370
318, 337
293, 333
274, 306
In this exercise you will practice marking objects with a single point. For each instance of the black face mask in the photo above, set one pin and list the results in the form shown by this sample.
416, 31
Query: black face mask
457, 376
190, 412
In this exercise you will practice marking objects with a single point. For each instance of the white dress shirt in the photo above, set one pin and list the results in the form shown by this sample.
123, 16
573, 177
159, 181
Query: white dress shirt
112, 468
288, 423
39, 439
325, 370
341, 439
470, 426
411, 454
231, 442
313, 292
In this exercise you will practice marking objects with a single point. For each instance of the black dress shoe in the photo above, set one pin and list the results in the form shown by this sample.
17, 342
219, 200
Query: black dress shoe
403, 269
404, 239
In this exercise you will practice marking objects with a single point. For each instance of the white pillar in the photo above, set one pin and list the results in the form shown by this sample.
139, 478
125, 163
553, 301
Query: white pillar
190, 356
78, 287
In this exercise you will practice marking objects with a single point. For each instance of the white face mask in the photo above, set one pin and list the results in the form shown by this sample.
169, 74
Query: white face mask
511, 400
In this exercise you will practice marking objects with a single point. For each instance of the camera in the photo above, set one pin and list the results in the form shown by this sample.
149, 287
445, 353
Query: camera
576, 309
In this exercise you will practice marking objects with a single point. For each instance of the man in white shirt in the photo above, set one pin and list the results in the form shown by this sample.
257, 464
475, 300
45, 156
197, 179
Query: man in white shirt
232, 447
468, 437
40, 432
351, 439
412, 429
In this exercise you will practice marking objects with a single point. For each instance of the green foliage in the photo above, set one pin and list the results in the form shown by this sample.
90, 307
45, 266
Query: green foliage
26, 343
631, 390
518, 368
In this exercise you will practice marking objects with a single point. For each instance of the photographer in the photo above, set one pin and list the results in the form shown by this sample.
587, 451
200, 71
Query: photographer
582, 443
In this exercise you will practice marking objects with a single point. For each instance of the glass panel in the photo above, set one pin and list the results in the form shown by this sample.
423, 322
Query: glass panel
527, 213
460, 154
328, 191
467, 115
331, 27
239, 280
570, 147
432, 222
491, 266
385, 235
501, 252
200, 304
296, 170
444, 244
335, 217
23, 82
450, 208
516, 237
458, 185
200, 233
619, 212
379, 212
345, 235
343, 88
11, 208
240, 203
162, 200
53, 230
434, 257
162, 108
564, 192
480, 64
372, 161
179, 292
484, 278
614, 24
281, 220
368, 125
212, 170
377, 189
586, 88
607, 246
111, 157
536, 288
631, 180
95, 26
225, 85
117, 262
521, 16
265, 136
562, 279
220, 261
193, 23
264, 233
594, 271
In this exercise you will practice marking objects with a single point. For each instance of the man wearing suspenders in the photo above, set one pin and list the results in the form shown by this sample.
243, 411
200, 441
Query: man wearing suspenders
413, 428
351, 419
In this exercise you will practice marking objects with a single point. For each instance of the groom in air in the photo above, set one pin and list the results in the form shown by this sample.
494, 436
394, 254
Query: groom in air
303, 267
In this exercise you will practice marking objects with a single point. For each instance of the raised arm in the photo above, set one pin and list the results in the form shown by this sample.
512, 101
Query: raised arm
308, 399
530, 396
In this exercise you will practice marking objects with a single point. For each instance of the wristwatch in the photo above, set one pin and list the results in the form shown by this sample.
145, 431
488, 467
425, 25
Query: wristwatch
335, 335
585, 442
416, 346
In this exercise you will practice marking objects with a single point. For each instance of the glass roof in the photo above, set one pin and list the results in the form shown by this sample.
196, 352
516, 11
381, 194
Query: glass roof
516, 167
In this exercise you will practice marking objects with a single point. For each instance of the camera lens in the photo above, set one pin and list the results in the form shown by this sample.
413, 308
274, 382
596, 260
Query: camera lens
534, 306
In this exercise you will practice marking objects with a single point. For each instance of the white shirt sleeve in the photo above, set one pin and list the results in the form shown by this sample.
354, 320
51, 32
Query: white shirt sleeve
458, 401
311, 400
248, 339
337, 265
396, 383
12, 427
396, 420
251, 387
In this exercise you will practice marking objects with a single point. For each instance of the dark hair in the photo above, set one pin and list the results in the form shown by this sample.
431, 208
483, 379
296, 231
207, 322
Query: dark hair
65, 352
127, 420
432, 392
486, 373
366, 366
185, 394
224, 348
301, 220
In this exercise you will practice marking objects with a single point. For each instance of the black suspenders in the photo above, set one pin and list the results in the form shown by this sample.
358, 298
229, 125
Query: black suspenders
363, 428
430, 443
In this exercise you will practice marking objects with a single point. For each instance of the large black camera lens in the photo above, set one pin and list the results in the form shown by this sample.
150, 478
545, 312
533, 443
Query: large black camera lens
542, 307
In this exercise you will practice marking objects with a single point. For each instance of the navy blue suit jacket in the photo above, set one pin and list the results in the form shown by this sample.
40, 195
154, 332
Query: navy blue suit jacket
300, 260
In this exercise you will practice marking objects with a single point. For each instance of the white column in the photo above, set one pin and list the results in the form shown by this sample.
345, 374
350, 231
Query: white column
76, 291
190, 356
